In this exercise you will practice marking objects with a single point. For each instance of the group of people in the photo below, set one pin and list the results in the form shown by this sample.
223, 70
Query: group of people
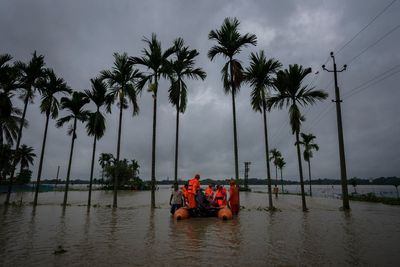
193, 196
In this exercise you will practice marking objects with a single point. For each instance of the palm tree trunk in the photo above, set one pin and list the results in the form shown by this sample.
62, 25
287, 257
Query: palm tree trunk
16, 149
118, 152
153, 150
177, 133
309, 175
69, 165
271, 206
41, 160
281, 181
276, 175
92, 165
303, 197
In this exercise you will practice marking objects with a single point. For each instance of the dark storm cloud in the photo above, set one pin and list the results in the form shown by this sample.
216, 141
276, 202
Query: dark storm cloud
79, 37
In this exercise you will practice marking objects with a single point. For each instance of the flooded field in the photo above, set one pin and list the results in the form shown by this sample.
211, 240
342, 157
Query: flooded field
135, 235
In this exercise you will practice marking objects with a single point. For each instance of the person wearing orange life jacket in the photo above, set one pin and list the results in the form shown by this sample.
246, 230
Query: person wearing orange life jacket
220, 197
209, 192
234, 197
193, 187
185, 193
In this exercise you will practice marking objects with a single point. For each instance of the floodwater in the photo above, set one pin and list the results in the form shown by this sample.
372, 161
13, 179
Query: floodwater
135, 235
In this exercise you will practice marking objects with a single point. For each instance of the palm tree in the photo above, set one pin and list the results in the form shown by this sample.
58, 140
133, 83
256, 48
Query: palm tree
155, 60
121, 81
291, 92
259, 75
229, 44
49, 88
74, 105
281, 163
96, 124
31, 73
181, 67
309, 146
275, 155
104, 160
24, 157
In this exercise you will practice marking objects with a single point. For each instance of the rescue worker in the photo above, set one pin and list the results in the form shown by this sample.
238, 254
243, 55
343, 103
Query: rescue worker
209, 192
184, 189
234, 197
193, 187
220, 197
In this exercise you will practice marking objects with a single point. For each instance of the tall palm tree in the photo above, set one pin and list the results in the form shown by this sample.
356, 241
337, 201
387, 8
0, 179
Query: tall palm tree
179, 68
229, 44
96, 124
275, 155
155, 60
309, 145
121, 81
260, 75
31, 73
49, 88
74, 106
104, 160
281, 163
290, 92
24, 157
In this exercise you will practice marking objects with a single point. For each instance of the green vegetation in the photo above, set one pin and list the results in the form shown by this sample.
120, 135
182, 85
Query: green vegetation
371, 197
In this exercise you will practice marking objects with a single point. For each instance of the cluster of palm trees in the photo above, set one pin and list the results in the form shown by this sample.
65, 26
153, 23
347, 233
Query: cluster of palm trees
121, 85
271, 86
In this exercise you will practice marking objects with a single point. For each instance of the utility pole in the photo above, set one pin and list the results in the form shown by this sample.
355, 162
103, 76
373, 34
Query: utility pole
246, 175
58, 171
345, 194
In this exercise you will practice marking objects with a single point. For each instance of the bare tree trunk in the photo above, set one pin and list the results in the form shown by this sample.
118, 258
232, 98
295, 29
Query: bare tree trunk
69, 165
41, 160
92, 165
309, 175
153, 150
118, 152
271, 205
235, 145
14, 163
177, 134
303, 197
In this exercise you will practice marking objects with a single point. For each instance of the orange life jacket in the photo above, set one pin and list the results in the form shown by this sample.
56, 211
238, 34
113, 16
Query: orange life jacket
209, 192
184, 191
194, 185
220, 198
233, 192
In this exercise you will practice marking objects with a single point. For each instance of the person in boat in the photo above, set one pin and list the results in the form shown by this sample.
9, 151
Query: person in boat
176, 199
209, 192
184, 189
220, 197
193, 188
234, 197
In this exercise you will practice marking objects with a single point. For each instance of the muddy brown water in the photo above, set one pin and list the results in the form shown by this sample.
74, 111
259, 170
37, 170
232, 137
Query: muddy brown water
135, 235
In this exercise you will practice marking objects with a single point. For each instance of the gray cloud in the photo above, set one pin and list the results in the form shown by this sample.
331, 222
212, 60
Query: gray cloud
79, 37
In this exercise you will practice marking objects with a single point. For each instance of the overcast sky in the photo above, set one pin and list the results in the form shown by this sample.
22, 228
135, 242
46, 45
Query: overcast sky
78, 39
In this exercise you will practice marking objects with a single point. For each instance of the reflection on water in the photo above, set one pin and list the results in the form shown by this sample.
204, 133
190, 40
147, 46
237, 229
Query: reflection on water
134, 234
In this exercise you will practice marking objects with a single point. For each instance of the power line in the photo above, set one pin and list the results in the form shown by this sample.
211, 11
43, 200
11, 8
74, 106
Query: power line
376, 82
372, 80
365, 27
375, 43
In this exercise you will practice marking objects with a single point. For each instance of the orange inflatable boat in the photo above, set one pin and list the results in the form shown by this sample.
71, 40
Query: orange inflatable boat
185, 213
